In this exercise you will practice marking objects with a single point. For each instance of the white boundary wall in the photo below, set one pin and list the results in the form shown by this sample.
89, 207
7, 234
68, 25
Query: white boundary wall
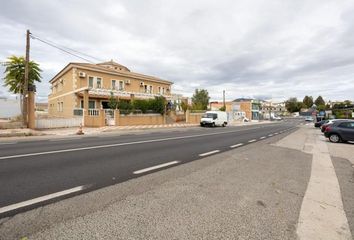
58, 122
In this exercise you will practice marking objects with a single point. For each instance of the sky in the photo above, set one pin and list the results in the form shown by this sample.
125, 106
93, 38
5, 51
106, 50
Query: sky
270, 49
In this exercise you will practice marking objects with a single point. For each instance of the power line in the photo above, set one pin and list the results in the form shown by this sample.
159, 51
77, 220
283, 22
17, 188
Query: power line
67, 50
81, 53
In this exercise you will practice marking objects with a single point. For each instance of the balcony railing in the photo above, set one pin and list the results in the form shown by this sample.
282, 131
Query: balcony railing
107, 92
93, 112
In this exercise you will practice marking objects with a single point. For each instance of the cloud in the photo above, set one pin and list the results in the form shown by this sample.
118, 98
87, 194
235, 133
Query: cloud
253, 48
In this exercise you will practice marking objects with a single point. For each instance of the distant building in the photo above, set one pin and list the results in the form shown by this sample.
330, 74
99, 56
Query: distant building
251, 107
41, 107
273, 109
240, 109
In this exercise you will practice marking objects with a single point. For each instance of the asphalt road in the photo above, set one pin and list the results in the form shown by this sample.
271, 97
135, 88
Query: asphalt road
34, 173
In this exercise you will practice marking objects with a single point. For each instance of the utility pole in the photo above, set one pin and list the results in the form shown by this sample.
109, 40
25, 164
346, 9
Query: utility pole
223, 93
25, 90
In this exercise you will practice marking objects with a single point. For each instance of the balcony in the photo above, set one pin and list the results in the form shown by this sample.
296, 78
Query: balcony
127, 94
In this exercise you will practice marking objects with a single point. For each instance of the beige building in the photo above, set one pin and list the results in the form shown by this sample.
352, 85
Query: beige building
89, 86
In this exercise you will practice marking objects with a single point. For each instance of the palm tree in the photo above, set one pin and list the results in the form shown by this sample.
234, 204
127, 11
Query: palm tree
15, 75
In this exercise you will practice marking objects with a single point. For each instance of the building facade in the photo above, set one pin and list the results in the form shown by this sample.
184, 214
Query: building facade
240, 109
273, 109
89, 86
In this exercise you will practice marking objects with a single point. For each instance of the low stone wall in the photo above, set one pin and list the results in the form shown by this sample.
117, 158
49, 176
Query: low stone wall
94, 120
11, 125
177, 117
139, 119
193, 118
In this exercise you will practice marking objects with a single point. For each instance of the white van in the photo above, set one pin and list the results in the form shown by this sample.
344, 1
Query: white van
214, 118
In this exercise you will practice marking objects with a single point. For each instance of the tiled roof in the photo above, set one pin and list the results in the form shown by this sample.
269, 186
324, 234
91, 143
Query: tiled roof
99, 67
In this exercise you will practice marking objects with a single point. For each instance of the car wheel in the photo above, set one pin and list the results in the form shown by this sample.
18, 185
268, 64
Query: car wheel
334, 138
223, 125
213, 125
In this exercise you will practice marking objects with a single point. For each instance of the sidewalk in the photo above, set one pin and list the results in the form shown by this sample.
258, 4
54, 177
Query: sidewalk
322, 213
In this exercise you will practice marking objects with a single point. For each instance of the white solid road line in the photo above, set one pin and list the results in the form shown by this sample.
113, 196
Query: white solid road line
253, 140
156, 167
208, 153
236, 145
120, 144
40, 199
64, 139
7, 143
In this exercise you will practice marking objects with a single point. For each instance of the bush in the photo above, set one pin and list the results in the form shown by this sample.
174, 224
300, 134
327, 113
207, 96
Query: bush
124, 105
223, 108
156, 105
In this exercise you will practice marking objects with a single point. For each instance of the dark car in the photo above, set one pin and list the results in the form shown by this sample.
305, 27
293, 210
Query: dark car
330, 122
340, 131
320, 123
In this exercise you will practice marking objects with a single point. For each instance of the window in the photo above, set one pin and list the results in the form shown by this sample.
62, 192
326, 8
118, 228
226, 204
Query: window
159, 90
60, 106
90, 83
121, 85
150, 89
347, 125
95, 82
114, 84
145, 88
163, 90
92, 104
99, 83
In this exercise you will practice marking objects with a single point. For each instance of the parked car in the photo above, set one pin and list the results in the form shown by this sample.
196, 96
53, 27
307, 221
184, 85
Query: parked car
309, 119
214, 118
277, 118
320, 123
340, 131
327, 123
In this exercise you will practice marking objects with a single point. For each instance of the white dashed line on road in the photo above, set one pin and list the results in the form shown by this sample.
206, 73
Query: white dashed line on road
156, 167
270, 135
208, 153
236, 145
122, 144
40, 199
253, 140
262, 137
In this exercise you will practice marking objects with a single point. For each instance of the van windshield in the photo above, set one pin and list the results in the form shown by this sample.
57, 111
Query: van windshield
210, 115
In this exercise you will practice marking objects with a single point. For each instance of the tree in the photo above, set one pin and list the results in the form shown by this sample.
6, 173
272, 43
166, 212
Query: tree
223, 108
184, 106
319, 101
308, 101
200, 99
292, 105
15, 75
113, 102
